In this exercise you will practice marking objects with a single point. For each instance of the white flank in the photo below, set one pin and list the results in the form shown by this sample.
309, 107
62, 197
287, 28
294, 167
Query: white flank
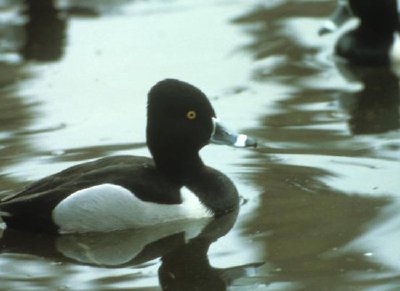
109, 207
395, 51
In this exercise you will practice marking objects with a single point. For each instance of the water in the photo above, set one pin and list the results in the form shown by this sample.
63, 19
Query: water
320, 194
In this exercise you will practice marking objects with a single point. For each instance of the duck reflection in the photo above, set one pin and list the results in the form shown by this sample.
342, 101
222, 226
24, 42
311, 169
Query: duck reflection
375, 108
188, 268
184, 261
44, 31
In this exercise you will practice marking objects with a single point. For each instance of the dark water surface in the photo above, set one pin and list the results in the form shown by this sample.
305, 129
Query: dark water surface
321, 193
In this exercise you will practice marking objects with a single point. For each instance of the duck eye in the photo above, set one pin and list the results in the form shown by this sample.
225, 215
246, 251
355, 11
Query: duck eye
191, 114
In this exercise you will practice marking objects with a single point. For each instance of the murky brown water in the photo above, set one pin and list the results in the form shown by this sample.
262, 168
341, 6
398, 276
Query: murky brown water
321, 192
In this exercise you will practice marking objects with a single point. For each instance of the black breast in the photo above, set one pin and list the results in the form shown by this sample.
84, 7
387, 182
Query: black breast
216, 191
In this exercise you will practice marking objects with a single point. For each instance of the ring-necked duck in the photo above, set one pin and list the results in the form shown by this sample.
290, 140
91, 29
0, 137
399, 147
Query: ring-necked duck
122, 192
375, 41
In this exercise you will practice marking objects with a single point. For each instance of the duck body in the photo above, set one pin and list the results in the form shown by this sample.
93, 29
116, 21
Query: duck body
123, 192
375, 41
100, 196
360, 47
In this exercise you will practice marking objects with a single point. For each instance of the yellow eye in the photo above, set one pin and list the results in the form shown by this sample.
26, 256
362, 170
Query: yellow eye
191, 114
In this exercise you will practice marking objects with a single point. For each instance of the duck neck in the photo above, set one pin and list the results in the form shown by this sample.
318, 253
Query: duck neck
179, 166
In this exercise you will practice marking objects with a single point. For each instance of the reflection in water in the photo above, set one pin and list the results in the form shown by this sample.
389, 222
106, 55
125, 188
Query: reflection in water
312, 221
307, 221
188, 267
44, 31
43, 41
182, 246
305, 225
271, 39
71, 252
375, 108
16, 116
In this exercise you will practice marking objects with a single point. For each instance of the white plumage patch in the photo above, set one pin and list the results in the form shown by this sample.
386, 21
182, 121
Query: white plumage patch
241, 140
110, 207
395, 53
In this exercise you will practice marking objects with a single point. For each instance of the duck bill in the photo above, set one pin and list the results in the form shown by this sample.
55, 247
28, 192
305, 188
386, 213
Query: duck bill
223, 136
340, 15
